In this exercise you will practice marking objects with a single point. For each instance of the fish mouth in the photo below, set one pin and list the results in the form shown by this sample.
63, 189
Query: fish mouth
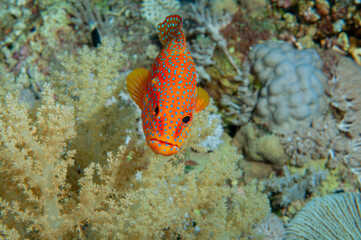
163, 142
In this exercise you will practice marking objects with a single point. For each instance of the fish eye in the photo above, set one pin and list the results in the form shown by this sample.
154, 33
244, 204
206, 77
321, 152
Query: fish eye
156, 110
186, 119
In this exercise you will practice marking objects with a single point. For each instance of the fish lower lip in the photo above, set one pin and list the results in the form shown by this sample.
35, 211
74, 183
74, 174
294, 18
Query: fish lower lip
163, 142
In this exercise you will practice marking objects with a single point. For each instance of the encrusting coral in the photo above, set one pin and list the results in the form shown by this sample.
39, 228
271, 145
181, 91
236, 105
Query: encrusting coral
64, 175
258, 146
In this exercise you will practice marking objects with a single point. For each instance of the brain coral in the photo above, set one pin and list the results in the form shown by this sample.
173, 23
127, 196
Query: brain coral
334, 217
292, 85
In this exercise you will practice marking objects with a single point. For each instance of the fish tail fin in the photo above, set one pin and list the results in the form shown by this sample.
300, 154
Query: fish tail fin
172, 29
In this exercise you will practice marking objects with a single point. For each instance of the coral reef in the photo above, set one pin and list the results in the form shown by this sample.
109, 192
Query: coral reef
237, 110
292, 86
114, 19
249, 25
110, 18
333, 217
322, 140
73, 168
73, 159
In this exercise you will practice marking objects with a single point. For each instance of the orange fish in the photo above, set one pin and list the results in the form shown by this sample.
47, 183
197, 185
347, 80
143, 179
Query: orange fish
168, 94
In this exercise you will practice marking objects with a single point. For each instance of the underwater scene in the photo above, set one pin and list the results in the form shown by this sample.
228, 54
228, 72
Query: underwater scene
180, 119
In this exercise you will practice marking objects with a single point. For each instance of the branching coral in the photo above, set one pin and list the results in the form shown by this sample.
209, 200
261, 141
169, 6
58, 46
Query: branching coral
90, 77
109, 17
87, 14
165, 203
93, 83
292, 187
210, 22
34, 164
202, 50
129, 197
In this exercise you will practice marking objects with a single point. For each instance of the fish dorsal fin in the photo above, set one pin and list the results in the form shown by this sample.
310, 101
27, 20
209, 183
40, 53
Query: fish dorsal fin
202, 99
172, 29
137, 84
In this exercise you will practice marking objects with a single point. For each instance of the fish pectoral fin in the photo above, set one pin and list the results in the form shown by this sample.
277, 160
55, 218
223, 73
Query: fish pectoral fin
202, 99
137, 84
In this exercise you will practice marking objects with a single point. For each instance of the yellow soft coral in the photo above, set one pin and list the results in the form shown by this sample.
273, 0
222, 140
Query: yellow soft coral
33, 163
92, 82
69, 173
